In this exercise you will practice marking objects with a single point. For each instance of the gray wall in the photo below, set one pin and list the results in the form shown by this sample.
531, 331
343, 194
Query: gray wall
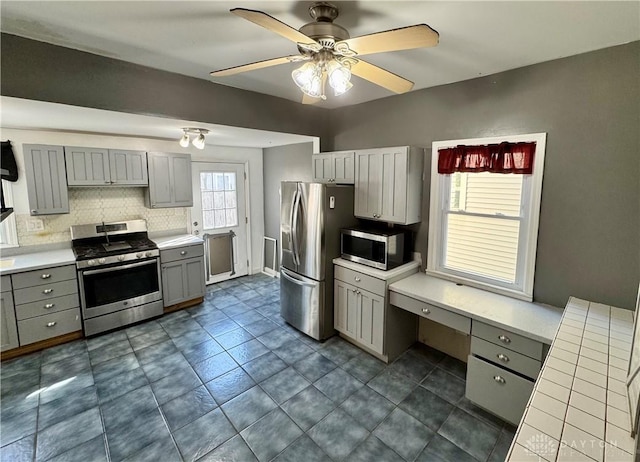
283, 163
45, 72
589, 237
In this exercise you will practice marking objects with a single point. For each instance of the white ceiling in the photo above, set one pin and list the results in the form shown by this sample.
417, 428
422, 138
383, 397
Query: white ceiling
39, 115
193, 38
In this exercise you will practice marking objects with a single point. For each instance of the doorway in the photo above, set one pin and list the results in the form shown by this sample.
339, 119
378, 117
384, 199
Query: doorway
219, 216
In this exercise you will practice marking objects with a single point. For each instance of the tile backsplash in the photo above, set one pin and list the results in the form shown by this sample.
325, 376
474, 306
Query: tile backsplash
93, 205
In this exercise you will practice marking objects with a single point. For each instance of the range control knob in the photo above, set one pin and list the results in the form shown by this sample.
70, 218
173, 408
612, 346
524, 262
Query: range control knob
148, 254
121, 257
102, 260
139, 255
91, 262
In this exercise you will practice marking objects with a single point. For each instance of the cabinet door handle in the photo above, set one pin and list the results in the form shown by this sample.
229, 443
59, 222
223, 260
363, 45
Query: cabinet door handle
45, 276
504, 339
48, 306
184, 252
357, 279
503, 358
47, 291
426, 310
34, 212
358, 292
51, 324
499, 379
107, 182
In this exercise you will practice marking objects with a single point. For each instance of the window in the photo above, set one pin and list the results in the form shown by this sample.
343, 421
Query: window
219, 199
483, 227
8, 234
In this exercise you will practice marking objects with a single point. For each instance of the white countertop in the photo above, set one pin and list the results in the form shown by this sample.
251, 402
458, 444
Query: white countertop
579, 408
532, 320
179, 240
374, 272
36, 260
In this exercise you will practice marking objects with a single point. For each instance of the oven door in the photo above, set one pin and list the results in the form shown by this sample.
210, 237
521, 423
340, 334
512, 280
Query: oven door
107, 290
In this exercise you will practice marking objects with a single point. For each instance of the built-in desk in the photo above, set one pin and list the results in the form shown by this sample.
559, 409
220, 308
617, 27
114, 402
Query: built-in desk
504, 340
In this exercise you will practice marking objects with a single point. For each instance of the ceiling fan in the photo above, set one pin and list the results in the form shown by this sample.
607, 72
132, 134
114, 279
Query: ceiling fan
331, 55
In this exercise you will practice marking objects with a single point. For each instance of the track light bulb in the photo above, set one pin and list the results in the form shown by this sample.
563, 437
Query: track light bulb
184, 141
198, 142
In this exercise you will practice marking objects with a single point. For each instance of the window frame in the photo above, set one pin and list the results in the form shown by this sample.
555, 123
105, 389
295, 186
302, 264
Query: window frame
9, 224
530, 218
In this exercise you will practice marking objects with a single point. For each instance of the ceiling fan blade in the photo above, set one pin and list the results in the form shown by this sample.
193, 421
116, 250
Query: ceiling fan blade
405, 38
269, 22
381, 77
257, 65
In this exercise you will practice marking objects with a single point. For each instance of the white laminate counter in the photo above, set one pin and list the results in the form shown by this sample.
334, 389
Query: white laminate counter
179, 240
531, 320
579, 407
36, 260
377, 273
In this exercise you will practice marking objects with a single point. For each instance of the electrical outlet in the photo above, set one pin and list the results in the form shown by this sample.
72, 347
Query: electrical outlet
35, 224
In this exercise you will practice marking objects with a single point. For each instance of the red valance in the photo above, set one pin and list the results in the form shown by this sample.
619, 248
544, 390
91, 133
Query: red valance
496, 158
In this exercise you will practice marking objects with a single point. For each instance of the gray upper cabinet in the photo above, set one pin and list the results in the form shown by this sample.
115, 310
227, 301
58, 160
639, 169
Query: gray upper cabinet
169, 180
105, 167
334, 167
388, 184
128, 168
46, 179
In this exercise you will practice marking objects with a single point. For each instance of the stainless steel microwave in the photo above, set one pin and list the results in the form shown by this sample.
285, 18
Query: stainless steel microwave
379, 249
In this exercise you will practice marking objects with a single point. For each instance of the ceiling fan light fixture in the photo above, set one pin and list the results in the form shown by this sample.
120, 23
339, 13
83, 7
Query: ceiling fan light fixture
339, 77
303, 75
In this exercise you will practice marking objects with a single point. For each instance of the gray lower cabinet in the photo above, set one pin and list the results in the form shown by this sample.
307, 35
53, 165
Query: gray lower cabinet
46, 303
46, 179
169, 180
105, 167
182, 274
502, 369
8, 327
363, 316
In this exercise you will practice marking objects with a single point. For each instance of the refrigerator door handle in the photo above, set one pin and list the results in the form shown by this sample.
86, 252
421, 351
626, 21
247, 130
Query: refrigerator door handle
294, 226
290, 234
296, 281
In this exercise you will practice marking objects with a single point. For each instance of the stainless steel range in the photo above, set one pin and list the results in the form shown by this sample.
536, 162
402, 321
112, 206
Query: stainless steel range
118, 273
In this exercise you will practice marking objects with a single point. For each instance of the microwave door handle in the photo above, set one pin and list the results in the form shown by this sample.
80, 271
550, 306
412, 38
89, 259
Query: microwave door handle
121, 267
294, 227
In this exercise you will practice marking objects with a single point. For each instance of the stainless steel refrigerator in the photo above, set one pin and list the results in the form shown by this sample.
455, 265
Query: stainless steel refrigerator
311, 215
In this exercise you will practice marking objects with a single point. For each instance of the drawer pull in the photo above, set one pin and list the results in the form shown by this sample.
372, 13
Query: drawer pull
504, 339
499, 379
48, 306
357, 279
51, 324
47, 291
426, 310
503, 358
184, 252
45, 276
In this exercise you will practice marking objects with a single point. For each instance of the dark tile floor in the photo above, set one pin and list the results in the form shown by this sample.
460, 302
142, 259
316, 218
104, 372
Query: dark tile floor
228, 380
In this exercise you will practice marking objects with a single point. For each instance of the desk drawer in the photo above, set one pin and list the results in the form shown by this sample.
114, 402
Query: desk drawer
43, 276
43, 307
45, 292
509, 340
360, 280
505, 357
181, 253
436, 314
51, 325
497, 390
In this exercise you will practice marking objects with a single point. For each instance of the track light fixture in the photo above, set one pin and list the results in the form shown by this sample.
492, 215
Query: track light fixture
198, 141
